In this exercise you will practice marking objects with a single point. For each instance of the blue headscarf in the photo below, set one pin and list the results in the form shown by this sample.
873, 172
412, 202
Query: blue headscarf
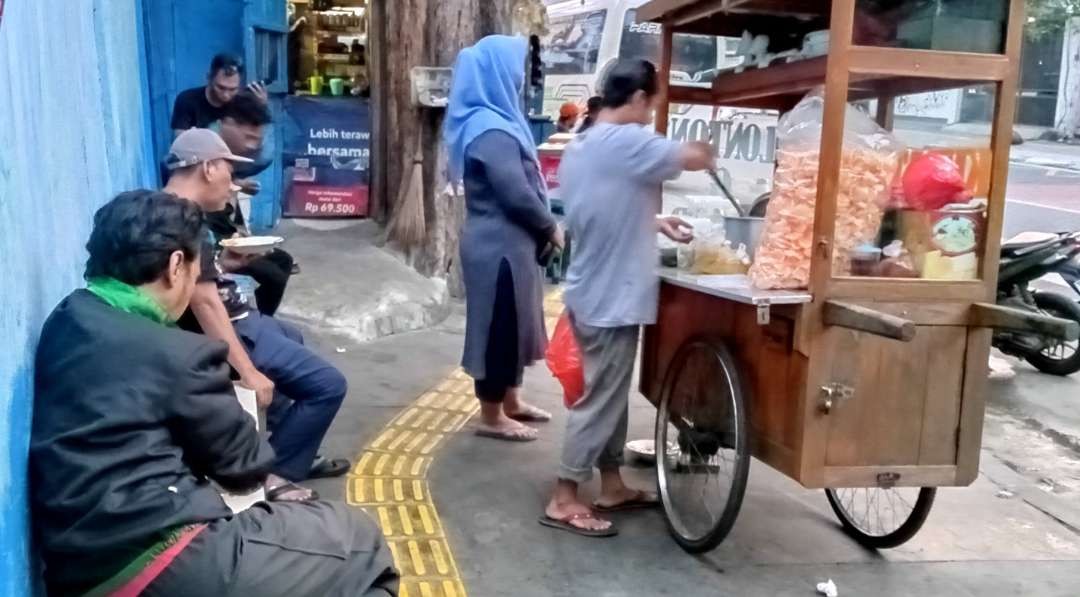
486, 95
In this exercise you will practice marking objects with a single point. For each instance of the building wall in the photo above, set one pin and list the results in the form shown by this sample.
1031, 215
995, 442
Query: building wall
73, 132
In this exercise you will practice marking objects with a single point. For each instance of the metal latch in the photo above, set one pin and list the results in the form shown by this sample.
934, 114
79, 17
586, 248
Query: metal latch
887, 480
833, 394
762, 311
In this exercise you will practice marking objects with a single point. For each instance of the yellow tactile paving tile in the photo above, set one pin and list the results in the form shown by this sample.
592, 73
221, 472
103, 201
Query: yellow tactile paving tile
431, 588
389, 482
423, 557
394, 465
378, 490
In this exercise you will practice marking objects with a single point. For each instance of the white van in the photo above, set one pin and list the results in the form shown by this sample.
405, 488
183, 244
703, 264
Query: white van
586, 37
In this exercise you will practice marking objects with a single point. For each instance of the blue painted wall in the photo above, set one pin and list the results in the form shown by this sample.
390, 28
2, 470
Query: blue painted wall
182, 36
73, 132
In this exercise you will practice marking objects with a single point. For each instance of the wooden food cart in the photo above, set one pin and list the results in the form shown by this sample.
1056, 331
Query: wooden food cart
872, 388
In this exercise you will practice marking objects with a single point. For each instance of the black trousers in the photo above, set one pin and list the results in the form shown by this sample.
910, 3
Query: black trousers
272, 272
503, 369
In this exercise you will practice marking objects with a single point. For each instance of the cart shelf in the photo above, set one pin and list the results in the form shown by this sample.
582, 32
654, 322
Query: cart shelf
731, 17
780, 87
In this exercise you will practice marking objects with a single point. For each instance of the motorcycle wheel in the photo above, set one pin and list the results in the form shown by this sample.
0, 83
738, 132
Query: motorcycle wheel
1060, 357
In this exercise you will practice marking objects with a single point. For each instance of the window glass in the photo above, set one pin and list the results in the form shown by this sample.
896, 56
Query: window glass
572, 45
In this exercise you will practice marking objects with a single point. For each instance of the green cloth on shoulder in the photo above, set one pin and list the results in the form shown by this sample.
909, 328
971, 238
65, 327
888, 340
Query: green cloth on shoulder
129, 299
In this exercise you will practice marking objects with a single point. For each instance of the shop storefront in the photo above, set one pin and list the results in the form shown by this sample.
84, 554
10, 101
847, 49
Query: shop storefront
313, 58
326, 155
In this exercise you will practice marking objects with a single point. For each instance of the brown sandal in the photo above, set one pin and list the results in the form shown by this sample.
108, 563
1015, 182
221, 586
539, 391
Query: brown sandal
566, 523
642, 500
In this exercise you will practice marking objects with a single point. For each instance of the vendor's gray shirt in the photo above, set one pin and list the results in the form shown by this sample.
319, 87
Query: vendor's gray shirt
611, 178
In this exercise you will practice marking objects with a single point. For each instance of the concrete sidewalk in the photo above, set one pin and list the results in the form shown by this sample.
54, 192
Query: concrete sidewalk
352, 287
979, 540
785, 541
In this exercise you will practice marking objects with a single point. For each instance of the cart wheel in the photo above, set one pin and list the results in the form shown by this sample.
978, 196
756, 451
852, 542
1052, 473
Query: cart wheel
882, 518
702, 445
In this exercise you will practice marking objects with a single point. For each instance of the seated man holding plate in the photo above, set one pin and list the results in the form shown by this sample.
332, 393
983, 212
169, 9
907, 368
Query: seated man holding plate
301, 391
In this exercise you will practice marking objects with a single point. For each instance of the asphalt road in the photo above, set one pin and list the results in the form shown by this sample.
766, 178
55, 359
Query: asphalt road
1042, 198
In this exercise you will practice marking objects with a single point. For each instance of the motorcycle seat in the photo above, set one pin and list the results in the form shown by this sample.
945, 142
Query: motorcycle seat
1026, 239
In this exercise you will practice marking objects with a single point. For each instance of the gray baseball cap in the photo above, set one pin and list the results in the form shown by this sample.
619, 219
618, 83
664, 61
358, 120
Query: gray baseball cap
195, 146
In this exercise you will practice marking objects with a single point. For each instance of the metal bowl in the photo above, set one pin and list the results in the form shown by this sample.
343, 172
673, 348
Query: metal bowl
744, 230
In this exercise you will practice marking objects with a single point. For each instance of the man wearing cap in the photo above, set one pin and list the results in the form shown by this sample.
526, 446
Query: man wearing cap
266, 353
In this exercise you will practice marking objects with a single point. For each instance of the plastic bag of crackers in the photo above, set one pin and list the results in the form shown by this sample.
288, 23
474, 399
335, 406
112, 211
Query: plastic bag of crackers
869, 162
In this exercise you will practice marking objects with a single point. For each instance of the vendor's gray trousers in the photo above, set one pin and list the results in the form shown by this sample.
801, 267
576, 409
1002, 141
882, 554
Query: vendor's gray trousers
287, 550
596, 425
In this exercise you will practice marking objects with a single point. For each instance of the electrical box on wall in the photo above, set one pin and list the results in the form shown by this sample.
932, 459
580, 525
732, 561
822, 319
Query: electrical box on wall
431, 86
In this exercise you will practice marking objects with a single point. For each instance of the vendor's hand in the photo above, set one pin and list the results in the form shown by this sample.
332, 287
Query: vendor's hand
230, 261
261, 385
698, 156
249, 186
259, 91
558, 237
675, 228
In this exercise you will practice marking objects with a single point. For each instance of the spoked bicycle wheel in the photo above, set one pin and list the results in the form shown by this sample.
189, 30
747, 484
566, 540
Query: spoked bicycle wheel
882, 518
702, 445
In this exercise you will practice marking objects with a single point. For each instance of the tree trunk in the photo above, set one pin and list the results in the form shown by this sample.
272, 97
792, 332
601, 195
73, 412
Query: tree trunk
1068, 125
412, 38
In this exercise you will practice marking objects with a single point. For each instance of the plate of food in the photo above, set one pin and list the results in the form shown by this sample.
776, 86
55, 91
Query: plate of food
252, 245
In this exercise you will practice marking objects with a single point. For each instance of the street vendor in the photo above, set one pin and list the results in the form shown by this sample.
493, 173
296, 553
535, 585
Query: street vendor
611, 179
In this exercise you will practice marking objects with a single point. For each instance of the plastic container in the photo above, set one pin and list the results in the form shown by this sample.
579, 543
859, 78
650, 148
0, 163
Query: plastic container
865, 260
337, 86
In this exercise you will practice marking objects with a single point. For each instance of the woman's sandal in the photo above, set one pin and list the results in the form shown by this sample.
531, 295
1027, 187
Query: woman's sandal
273, 494
531, 414
642, 500
523, 434
565, 523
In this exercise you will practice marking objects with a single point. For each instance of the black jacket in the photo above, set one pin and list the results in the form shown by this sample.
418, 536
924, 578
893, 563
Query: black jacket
130, 419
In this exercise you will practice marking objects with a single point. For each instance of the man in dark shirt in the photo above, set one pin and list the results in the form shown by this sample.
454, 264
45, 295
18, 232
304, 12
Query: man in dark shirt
200, 106
266, 353
132, 420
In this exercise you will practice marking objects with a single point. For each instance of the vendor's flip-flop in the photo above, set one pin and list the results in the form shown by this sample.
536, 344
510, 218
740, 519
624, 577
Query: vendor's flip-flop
324, 468
642, 500
531, 414
506, 435
565, 524
274, 493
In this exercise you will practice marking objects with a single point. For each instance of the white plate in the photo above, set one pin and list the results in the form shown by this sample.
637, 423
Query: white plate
252, 245
645, 449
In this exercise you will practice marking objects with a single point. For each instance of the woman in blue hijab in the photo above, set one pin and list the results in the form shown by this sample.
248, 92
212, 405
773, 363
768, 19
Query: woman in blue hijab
507, 225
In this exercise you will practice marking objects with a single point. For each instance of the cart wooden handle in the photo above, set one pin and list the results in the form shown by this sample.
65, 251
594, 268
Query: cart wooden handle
1001, 317
863, 319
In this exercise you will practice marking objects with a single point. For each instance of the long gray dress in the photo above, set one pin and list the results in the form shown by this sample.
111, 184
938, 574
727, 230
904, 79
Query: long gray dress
507, 220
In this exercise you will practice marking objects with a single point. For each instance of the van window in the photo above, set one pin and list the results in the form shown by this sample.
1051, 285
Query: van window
694, 55
572, 45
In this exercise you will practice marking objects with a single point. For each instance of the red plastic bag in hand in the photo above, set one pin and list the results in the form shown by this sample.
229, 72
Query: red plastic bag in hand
563, 358
933, 181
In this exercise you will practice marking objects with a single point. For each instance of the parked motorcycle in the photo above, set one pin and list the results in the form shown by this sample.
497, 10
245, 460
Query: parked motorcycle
1022, 263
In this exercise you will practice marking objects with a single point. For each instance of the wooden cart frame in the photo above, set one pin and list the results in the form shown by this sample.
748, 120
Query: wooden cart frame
873, 382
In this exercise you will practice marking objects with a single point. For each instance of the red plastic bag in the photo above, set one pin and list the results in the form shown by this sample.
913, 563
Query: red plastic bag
563, 358
933, 181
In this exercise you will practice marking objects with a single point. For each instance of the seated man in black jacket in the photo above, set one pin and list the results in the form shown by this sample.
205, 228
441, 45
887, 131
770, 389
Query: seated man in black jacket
132, 420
